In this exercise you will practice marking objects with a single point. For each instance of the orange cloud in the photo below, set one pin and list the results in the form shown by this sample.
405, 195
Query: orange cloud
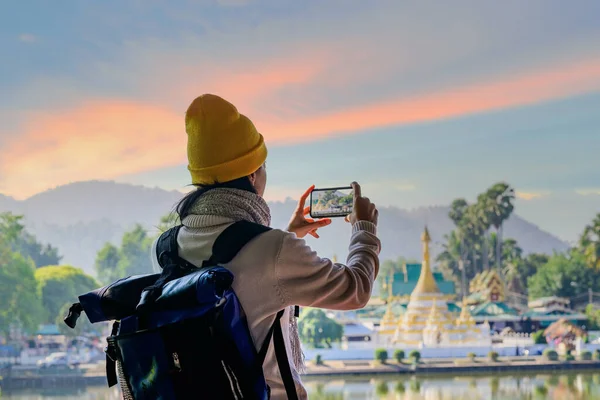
99, 139
107, 138
529, 195
526, 89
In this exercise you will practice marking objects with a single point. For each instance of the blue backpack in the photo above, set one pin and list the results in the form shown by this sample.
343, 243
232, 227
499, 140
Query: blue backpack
182, 334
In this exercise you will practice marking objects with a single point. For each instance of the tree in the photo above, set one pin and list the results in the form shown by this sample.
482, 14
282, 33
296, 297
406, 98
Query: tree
24, 243
327, 196
168, 221
318, 330
512, 256
21, 305
11, 227
42, 255
527, 267
564, 275
107, 262
474, 229
498, 203
589, 243
60, 285
457, 248
135, 252
481, 215
452, 260
131, 258
593, 316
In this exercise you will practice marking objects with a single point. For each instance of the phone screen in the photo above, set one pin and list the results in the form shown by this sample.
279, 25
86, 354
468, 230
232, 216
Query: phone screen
332, 202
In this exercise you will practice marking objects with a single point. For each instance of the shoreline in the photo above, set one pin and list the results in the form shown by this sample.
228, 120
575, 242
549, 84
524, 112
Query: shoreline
331, 369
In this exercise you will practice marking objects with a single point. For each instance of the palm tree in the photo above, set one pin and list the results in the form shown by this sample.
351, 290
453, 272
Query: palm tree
458, 208
590, 243
473, 230
452, 258
457, 247
498, 205
512, 255
483, 212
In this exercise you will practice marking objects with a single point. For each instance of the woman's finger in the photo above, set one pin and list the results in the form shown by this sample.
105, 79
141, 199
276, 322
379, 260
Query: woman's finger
306, 211
303, 198
318, 224
314, 234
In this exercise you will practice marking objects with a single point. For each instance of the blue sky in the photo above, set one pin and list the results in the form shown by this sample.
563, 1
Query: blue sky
421, 104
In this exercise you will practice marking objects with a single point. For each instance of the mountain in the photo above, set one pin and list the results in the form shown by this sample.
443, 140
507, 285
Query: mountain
8, 203
81, 217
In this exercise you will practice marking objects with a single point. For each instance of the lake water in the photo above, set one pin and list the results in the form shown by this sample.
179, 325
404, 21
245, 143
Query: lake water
577, 386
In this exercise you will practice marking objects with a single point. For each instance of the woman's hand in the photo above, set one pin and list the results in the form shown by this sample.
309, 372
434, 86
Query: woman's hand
302, 226
363, 209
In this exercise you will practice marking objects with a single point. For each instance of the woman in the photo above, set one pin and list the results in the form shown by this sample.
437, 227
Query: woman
276, 270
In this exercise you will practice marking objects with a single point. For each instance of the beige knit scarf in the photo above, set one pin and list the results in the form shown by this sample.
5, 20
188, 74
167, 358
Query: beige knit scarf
242, 205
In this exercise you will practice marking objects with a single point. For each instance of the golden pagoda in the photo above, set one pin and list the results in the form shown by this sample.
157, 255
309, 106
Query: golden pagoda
427, 321
425, 300
467, 332
389, 320
439, 324
465, 319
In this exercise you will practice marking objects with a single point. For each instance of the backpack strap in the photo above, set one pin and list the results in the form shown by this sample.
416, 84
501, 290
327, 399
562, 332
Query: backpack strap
276, 334
282, 361
225, 248
232, 240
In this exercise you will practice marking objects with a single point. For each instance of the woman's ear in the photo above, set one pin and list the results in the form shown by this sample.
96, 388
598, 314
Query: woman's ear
252, 178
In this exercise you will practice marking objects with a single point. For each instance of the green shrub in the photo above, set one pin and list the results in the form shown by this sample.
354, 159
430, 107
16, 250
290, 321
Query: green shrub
493, 356
541, 391
550, 355
415, 386
471, 356
382, 389
538, 337
415, 355
586, 355
318, 359
381, 355
399, 355
399, 388
569, 357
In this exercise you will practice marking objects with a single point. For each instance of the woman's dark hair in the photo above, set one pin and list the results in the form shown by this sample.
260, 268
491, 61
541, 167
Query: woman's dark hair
185, 205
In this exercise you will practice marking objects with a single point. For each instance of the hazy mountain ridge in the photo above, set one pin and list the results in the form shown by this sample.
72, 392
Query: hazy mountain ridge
81, 217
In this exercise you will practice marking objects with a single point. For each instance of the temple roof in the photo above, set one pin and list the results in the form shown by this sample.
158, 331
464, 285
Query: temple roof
493, 309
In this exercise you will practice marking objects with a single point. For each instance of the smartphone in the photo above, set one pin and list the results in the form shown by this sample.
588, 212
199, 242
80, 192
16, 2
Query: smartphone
331, 202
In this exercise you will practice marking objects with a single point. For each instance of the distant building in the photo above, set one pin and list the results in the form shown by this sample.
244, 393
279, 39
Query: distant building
547, 310
486, 287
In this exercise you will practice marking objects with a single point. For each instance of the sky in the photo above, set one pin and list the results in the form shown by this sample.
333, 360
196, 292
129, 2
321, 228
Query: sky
420, 102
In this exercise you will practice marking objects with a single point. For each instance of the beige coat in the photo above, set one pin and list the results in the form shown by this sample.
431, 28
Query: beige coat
277, 270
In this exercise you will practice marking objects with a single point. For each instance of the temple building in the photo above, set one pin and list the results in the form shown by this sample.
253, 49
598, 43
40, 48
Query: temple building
486, 286
425, 300
429, 319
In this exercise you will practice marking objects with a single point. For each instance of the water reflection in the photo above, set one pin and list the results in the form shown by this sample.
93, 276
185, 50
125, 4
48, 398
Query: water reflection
584, 386
79, 393
539, 386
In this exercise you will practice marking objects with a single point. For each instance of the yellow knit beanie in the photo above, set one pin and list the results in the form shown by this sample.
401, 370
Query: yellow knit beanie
223, 144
